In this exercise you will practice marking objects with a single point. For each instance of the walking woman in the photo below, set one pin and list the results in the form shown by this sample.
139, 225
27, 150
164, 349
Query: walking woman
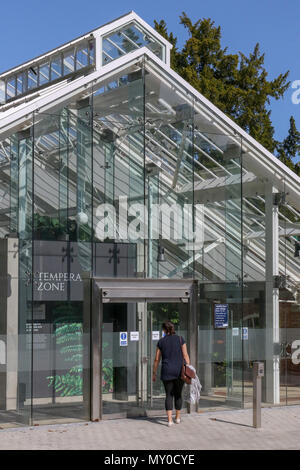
171, 348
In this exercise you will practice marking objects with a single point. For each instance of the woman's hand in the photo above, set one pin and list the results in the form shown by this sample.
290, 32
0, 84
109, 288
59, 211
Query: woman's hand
155, 365
185, 354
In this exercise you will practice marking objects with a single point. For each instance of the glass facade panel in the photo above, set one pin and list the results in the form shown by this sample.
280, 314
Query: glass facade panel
32, 78
119, 171
8, 298
11, 88
289, 303
82, 57
2, 92
68, 62
91, 49
44, 73
20, 84
169, 163
218, 191
62, 253
25, 330
56, 68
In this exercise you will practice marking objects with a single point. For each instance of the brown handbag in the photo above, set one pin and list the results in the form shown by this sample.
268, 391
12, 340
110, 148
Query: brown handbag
187, 374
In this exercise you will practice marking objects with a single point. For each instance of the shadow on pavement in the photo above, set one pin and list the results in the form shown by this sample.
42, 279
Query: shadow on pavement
231, 422
159, 420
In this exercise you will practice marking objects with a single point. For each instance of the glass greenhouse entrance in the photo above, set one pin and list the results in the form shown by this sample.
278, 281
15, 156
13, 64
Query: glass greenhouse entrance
130, 334
130, 319
113, 167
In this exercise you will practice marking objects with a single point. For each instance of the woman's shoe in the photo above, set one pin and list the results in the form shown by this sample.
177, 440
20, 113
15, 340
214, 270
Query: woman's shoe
177, 420
170, 423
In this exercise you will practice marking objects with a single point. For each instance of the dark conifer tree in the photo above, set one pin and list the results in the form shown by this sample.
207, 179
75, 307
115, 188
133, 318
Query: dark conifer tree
289, 149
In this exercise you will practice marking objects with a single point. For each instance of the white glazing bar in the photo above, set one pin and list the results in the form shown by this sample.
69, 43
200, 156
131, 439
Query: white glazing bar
167, 56
150, 234
188, 140
130, 40
110, 58
272, 299
195, 146
115, 45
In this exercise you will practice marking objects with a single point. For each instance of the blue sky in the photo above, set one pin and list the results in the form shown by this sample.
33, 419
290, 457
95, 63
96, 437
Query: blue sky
31, 27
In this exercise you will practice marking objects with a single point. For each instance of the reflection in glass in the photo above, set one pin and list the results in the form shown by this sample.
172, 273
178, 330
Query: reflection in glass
68, 62
126, 40
11, 88
32, 78
56, 68
44, 73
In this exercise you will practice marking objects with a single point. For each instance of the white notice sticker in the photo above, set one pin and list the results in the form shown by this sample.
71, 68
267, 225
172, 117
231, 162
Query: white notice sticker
155, 335
134, 336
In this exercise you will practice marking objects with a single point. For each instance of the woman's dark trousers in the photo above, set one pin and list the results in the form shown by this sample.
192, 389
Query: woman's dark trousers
173, 391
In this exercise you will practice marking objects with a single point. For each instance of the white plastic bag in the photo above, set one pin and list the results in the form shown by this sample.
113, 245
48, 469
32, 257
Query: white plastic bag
193, 391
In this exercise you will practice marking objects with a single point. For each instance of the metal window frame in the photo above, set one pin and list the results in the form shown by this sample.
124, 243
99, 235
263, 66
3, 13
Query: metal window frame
83, 44
143, 28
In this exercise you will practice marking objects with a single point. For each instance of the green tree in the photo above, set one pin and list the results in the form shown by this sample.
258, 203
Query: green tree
176, 56
289, 149
236, 83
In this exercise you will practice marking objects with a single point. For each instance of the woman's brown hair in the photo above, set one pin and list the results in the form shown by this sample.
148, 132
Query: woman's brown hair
169, 327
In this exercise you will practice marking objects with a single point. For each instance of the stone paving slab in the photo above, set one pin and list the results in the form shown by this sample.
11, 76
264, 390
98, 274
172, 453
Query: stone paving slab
218, 430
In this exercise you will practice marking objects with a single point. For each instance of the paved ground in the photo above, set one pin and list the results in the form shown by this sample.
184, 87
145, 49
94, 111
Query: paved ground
218, 430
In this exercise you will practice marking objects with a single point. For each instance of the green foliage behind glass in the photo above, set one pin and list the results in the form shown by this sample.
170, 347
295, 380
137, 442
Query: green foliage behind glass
52, 228
68, 336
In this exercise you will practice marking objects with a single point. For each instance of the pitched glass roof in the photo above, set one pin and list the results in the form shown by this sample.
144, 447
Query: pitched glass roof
70, 60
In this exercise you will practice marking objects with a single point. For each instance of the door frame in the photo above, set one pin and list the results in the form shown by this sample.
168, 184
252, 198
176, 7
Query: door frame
286, 351
99, 291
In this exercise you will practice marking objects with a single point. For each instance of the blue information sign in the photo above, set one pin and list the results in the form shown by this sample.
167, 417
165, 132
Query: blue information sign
245, 333
123, 338
221, 315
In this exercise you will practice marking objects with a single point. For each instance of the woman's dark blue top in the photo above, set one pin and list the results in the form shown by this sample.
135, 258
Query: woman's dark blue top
170, 347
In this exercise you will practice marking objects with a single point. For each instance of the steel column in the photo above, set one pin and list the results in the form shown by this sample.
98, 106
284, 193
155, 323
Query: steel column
96, 348
272, 298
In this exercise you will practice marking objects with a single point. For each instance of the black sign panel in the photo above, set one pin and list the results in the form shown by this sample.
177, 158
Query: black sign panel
58, 267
